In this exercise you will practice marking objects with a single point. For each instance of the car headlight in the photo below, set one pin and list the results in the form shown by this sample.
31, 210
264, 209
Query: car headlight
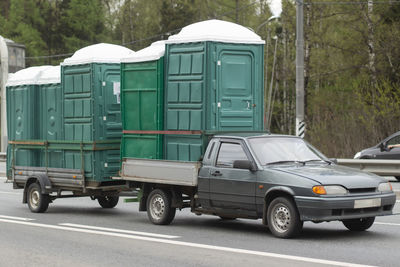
385, 187
329, 190
358, 155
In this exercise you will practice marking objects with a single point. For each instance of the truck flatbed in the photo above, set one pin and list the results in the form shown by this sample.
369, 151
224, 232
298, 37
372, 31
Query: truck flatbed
183, 173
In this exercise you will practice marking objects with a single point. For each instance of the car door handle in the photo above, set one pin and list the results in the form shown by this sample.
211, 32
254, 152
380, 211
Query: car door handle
216, 173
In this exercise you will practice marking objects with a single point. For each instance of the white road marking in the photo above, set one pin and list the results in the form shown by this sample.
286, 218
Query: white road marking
16, 218
10, 193
398, 201
189, 244
118, 230
392, 224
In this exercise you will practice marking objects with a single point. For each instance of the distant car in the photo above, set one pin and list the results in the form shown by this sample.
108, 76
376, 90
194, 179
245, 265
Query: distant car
386, 149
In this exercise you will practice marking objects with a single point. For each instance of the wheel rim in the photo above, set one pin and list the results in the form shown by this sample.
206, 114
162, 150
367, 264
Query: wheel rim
157, 207
281, 218
34, 198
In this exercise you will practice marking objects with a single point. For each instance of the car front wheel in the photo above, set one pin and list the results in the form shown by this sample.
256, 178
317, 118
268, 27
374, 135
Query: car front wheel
360, 224
283, 218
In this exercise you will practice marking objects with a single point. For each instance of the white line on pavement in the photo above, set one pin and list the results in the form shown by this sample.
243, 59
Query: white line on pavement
10, 193
16, 218
118, 230
393, 224
188, 244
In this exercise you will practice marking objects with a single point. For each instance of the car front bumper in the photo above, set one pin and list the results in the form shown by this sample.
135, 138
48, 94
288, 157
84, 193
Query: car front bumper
342, 208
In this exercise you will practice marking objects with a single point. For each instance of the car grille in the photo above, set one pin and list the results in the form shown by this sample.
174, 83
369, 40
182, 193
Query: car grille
362, 190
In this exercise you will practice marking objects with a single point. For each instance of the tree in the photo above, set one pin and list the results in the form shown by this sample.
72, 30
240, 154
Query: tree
83, 23
24, 25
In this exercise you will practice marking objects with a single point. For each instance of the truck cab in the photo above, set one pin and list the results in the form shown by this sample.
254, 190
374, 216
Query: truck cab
228, 178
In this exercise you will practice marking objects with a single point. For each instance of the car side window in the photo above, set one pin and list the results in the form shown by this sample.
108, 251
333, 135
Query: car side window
394, 141
228, 153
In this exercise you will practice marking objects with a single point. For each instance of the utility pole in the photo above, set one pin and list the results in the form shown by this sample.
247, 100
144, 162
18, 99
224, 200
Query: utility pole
300, 123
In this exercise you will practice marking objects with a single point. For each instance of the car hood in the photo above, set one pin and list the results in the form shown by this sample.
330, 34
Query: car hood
334, 175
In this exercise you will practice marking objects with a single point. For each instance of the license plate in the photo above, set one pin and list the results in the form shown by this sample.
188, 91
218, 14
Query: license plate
367, 203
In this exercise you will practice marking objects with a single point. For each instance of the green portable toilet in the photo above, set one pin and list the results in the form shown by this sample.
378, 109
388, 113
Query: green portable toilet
90, 82
214, 83
50, 115
23, 122
142, 91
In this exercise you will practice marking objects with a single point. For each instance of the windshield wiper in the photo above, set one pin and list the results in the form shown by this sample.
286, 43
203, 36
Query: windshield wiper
285, 161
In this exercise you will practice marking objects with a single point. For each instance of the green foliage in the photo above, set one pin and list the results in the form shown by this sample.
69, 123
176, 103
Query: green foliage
24, 25
352, 74
352, 53
175, 14
83, 24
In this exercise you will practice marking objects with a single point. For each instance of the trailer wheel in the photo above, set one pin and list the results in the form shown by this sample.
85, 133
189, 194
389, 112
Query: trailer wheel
37, 202
159, 208
108, 202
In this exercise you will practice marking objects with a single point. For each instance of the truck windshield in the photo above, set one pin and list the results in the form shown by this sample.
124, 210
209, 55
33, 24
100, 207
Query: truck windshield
283, 150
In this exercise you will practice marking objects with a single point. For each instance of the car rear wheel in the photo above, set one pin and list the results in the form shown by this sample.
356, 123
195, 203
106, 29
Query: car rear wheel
398, 178
283, 218
360, 224
159, 208
108, 202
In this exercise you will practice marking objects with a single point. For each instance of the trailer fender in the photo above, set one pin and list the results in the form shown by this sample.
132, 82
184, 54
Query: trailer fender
42, 180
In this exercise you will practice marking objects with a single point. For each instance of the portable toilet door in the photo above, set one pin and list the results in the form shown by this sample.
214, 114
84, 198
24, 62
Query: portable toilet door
239, 86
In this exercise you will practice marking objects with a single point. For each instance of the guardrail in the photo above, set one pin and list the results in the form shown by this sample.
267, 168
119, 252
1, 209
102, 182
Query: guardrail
383, 167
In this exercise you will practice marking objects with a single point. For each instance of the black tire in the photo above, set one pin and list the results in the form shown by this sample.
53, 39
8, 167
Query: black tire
37, 202
159, 208
397, 178
360, 224
283, 218
108, 202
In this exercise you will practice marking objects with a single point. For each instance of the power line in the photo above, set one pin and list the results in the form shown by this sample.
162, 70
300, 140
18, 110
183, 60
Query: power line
349, 2
51, 56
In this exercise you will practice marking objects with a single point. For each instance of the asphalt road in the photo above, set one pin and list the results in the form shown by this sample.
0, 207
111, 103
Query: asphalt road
77, 232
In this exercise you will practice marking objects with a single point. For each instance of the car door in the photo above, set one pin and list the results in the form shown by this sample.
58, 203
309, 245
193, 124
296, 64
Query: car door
232, 189
393, 153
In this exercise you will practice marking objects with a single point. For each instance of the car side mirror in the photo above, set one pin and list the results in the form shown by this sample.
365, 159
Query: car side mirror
243, 164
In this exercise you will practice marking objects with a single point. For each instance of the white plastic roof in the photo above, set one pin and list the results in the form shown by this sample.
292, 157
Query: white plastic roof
153, 52
98, 53
26, 76
50, 75
217, 31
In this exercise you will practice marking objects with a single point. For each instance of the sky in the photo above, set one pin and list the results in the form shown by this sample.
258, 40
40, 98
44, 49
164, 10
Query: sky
276, 7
